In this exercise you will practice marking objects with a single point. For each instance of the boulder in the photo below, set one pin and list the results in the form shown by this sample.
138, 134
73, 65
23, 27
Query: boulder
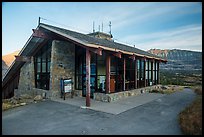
38, 98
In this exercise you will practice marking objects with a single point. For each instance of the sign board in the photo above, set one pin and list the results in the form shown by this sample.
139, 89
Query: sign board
67, 85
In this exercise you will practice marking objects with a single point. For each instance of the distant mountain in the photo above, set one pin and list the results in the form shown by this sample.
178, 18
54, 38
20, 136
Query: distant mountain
179, 59
9, 58
7, 61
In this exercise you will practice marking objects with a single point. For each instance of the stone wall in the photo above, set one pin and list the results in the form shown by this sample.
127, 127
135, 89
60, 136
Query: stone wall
119, 95
62, 65
27, 79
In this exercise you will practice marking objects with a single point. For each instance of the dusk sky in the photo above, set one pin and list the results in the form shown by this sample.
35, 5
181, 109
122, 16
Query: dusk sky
146, 25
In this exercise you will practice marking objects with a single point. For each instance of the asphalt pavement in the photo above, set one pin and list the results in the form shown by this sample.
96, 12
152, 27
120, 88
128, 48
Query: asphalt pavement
155, 117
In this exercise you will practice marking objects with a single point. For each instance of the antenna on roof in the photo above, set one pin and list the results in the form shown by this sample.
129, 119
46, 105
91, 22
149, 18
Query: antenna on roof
39, 21
110, 27
93, 27
102, 27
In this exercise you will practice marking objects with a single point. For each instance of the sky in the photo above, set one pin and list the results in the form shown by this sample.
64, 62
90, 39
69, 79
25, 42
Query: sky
147, 25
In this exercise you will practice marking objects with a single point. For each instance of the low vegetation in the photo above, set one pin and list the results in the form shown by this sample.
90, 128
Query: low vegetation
190, 118
24, 99
183, 78
168, 89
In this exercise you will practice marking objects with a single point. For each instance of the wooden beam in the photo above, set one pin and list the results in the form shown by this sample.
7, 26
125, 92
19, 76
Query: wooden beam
23, 58
40, 34
98, 51
88, 60
132, 57
108, 63
118, 54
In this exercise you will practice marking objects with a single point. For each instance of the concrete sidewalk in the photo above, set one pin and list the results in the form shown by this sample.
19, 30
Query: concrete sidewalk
115, 107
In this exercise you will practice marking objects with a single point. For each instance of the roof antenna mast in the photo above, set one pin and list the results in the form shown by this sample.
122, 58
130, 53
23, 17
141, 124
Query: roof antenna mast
93, 27
39, 21
102, 27
110, 27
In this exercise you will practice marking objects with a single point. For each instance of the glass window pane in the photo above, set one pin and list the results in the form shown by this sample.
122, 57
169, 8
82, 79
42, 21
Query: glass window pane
153, 75
153, 65
38, 67
146, 67
156, 65
150, 64
101, 67
150, 75
48, 67
101, 83
146, 75
43, 66
156, 75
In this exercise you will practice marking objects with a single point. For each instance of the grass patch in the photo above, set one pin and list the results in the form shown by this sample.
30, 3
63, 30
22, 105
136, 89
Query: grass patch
190, 119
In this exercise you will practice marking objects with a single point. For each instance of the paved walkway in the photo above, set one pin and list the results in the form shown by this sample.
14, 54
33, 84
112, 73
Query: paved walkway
157, 117
115, 107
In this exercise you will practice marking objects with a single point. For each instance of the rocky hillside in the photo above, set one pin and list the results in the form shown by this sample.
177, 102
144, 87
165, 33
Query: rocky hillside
179, 59
7, 61
9, 58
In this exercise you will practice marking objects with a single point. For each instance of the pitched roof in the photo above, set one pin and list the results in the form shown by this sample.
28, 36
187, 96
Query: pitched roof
88, 40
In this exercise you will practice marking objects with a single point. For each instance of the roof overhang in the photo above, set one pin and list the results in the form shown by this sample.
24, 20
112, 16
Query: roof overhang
31, 45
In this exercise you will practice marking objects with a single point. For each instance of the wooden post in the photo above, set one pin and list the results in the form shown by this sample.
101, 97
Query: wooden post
108, 61
144, 73
152, 71
88, 59
158, 76
135, 62
124, 64
155, 72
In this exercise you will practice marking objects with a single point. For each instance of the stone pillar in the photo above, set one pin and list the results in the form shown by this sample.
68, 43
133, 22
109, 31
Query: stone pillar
62, 65
88, 60
108, 63
27, 79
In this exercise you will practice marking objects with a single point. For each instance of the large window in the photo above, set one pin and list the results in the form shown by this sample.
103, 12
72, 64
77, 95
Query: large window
154, 73
101, 72
42, 67
129, 74
80, 66
147, 72
150, 73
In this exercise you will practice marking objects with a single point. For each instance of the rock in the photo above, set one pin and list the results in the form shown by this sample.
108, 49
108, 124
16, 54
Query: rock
13, 101
22, 104
25, 96
38, 98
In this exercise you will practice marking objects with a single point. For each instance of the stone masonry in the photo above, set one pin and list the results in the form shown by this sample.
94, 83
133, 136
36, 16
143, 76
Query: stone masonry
62, 65
119, 95
27, 79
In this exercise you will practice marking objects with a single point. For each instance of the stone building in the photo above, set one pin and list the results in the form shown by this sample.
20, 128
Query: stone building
95, 64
